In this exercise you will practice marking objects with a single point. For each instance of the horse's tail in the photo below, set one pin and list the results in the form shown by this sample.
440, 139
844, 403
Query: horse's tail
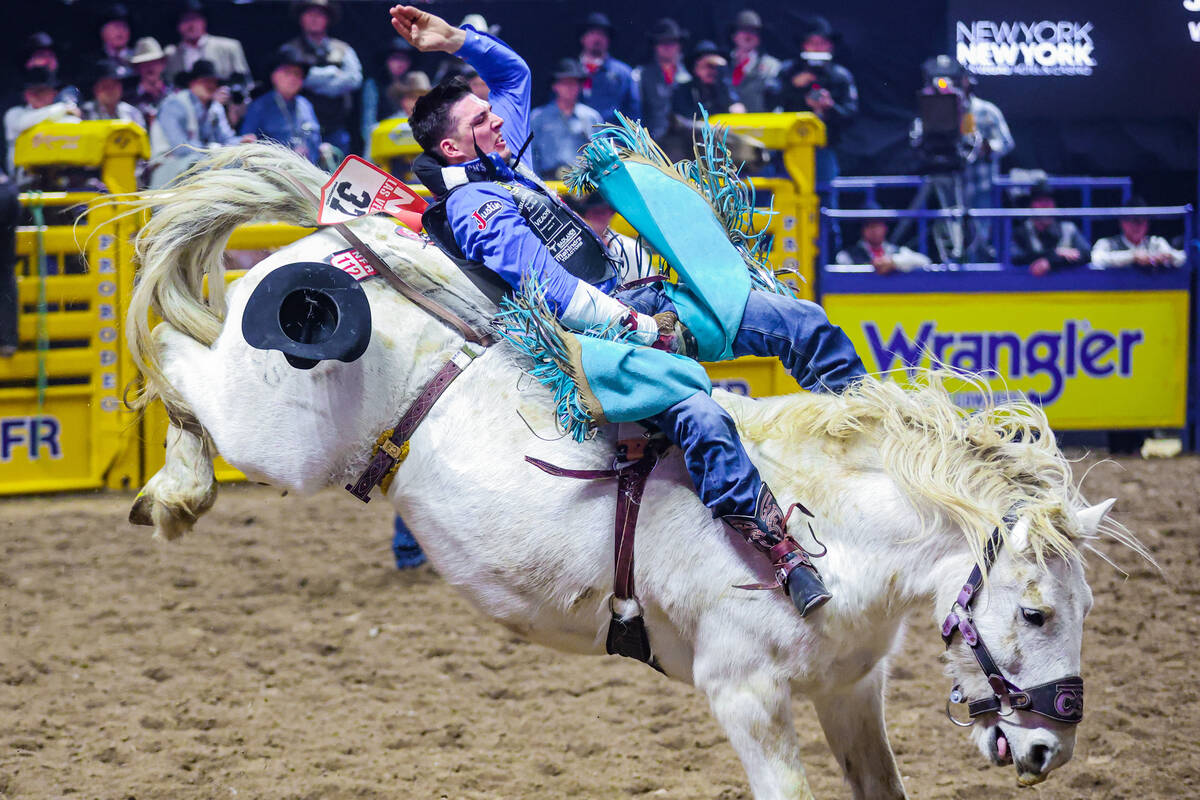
182, 243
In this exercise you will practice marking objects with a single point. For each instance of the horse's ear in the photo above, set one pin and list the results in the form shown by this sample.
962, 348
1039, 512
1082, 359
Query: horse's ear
1091, 517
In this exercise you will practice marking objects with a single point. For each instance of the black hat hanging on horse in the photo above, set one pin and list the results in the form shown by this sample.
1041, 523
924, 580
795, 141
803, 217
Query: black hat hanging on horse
310, 312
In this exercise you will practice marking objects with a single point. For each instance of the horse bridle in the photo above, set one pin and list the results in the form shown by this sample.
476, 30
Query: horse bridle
1060, 700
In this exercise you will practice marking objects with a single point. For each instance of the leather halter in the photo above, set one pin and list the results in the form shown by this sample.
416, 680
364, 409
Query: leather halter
1060, 700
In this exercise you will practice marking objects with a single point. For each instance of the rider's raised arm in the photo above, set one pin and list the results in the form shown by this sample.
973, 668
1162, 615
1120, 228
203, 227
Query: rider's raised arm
507, 77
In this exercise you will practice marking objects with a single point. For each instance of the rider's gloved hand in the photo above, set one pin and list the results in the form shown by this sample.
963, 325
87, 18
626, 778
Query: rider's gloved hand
644, 328
673, 336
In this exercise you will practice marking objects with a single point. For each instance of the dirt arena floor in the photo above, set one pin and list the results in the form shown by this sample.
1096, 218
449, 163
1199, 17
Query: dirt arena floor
277, 653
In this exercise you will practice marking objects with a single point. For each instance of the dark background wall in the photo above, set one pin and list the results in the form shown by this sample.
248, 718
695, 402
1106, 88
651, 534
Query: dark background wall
1135, 114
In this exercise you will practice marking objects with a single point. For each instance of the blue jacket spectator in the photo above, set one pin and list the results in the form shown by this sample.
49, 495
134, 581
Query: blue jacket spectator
563, 125
281, 114
336, 73
609, 86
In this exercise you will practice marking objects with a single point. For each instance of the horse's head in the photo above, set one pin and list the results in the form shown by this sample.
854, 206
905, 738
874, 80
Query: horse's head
1029, 617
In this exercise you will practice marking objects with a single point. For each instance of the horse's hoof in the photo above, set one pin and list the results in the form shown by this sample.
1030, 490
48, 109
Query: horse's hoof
140, 513
807, 591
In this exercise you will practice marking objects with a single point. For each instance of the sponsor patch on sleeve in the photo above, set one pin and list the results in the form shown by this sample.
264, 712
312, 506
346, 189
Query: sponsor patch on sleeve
352, 263
485, 212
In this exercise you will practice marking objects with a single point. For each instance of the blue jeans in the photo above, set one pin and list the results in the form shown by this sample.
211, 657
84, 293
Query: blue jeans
815, 352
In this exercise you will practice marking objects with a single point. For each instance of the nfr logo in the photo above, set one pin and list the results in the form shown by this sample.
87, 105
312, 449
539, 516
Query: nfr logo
37, 436
341, 192
1075, 350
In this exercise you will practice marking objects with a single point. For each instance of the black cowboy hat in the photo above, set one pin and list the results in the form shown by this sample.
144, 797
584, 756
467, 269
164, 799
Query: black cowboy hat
667, 30
590, 201
38, 77
816, 25
569, 68
707, 47
191, 7
747, 20
113, 13
38, 41
399, 45
331, 9
106, 68
288, 55
201, 69
597, 19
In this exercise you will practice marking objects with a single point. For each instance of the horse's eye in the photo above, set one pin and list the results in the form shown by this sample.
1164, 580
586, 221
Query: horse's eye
1033, 617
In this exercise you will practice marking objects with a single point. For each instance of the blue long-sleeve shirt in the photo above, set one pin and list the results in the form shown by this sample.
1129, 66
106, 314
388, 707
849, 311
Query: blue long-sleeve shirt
292, 124
487, 225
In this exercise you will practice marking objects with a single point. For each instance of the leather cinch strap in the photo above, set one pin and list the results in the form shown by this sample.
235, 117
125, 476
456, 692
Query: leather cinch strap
383, 459
626, 637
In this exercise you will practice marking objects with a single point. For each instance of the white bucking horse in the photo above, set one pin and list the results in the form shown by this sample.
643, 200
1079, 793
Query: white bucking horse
910, 495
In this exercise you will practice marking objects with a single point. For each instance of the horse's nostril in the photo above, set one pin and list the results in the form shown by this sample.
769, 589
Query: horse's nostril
1039, 757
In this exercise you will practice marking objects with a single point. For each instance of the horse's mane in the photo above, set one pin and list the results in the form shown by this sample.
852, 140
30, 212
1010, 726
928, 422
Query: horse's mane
970, 468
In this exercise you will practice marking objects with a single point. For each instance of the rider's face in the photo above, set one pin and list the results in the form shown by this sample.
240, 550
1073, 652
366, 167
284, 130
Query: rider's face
474, 123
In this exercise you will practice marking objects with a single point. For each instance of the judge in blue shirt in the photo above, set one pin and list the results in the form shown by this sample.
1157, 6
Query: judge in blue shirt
282, 114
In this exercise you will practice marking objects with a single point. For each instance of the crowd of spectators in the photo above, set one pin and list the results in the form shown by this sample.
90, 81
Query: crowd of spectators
318, 97
199, 91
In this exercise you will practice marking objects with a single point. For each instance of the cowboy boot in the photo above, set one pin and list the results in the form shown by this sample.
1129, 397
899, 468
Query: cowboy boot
794, 570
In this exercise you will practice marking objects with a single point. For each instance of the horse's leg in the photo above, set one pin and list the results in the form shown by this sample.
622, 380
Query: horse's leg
854, 727
755, 709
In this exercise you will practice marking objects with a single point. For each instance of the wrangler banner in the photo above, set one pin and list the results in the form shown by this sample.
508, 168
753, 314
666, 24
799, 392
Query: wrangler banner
1093, 360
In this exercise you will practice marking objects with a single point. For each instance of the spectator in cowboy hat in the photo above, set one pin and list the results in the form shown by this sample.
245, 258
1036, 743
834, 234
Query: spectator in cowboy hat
1134, 246
196, 43
659, 78
755, 74
563, 125
380, 93
710, 86
873, 248
1047, 243
114, 38
598, 213
106, 102
336, 74
405, 92
281, 114
609, 86
150, 62
189, 122
813, 82
40, 52
39, 89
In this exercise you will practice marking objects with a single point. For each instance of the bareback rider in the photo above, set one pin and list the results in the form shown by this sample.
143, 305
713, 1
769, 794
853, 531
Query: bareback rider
502, 224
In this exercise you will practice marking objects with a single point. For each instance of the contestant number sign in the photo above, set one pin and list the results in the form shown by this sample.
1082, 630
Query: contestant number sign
358, 188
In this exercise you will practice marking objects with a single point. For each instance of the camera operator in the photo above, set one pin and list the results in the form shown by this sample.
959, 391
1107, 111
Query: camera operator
188, 122
813, 82
961, 138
